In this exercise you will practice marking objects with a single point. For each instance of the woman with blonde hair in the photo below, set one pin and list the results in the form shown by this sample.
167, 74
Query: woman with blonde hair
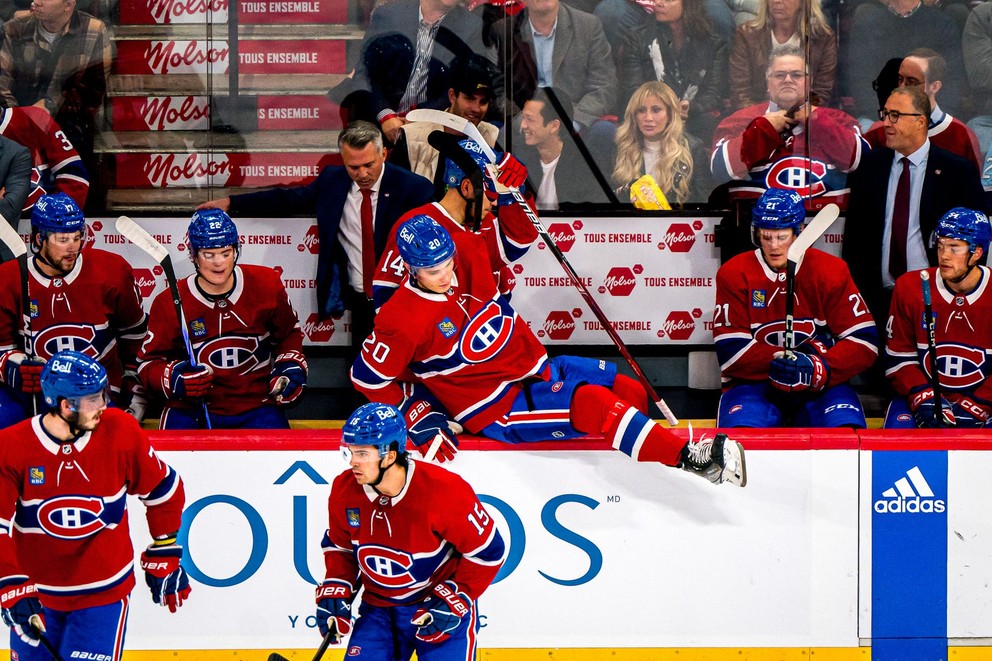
781, 22
651, 140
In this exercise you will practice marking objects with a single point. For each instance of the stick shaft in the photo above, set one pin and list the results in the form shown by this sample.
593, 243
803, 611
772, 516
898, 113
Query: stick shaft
931, 327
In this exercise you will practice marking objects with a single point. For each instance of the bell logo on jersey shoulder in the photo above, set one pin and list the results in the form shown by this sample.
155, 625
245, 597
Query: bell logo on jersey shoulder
759, 298
959, 366
36, 475
387, 567
447, 327
486, 334
805, 176
71, 517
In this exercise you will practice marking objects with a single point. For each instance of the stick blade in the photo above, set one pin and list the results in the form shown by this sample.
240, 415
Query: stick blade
277, 657
455, 123
141, 238
12, 239
813, 231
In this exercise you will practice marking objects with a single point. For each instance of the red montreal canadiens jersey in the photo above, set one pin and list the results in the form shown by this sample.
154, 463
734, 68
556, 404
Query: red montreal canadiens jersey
57, 166
95, 310
505, 240
749, 320
962, 329
63, 508
399, 548
748, 150
467, 346
238, 337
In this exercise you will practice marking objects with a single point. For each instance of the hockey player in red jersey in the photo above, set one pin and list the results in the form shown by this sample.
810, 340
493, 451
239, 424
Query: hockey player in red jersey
835, 336
244, 333
961, 298
384, 524
66, 556
465, 354
466, 208
57, 165
83, 300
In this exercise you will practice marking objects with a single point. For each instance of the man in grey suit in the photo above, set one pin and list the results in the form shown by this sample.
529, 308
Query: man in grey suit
15, 182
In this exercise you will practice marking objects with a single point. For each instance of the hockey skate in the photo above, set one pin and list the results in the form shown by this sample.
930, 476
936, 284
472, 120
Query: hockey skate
718, 460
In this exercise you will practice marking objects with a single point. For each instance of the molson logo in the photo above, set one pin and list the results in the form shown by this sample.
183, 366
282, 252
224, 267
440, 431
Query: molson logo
161, 113
164, 170
678, 326
679, 238
185, 11
165, 57
559, 325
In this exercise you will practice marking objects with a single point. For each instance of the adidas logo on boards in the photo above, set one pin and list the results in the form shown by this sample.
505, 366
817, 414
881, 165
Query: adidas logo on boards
910, 495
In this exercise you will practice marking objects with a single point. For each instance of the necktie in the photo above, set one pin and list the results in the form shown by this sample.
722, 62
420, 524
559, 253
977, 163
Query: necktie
900, 223
368, 242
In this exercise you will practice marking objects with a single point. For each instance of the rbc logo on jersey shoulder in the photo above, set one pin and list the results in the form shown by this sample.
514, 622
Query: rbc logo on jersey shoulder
71, 517
805, 176
759, 298
198, 328
36, 475
387, 567
353, 516
447, 327
959, 366
486, 334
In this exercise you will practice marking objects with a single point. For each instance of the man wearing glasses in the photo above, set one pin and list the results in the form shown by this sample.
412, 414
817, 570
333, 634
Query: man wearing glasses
788, 142
898, 194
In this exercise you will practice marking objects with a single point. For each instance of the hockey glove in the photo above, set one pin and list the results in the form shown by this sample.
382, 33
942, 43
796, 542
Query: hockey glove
799, 373
165, 575
512, 173
20, 372
181, 379
924, 408
334, 608
19, 605
441, 612
289, 377
430, 433
971, 413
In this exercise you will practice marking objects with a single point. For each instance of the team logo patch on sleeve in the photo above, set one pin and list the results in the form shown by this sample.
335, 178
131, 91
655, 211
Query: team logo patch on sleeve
198, 327
758, 298
36, 475
354, 517
447, 327
33, 306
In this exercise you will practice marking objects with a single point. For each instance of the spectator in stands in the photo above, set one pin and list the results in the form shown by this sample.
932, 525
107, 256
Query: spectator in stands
781, 23
765, 145
58, 59
348, 251
898, 194
470, 97
235, 353
620, 17
15, 181
406, 58
558, 173
651, 140
961, 306
681, 49
976, 46
57, 165
927, 69
803, 384
553, 45
880, 31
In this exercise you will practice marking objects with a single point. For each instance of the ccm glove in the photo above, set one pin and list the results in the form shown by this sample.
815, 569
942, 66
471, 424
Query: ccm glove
165, 576
334, 608
289, 377
924, 408
512, 173
441, 613
19, 605
971, 413
181, 379
20, 372
799, 373
428, 428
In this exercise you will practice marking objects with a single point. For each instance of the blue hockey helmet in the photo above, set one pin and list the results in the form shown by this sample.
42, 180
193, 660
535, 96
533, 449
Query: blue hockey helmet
965, 225
378, 425
777, 209
57, 213
453, 174
423, 243
71, 375
212, 228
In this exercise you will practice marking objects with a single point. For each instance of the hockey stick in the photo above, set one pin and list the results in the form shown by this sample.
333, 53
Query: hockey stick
332, 636
141, 238
797, 251
930, 324
466, 127
15, 244
39, 630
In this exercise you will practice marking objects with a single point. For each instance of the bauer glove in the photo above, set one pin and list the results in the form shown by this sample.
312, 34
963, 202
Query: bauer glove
441, 613
165, 576
334, 608
289, 377
430, 433
21, 609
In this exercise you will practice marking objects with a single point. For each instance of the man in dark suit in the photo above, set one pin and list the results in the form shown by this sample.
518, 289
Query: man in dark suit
887, 233
15, 179
336, 198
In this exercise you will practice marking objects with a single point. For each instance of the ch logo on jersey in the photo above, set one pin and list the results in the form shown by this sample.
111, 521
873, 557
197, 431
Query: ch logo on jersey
486, 334
85, 339
232, 353
805, 176
959, 366
71, 517
774, 332
387, 567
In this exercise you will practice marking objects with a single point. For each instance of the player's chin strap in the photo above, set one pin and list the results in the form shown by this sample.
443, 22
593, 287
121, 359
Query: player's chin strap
44, 260
962, 278
382, 474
